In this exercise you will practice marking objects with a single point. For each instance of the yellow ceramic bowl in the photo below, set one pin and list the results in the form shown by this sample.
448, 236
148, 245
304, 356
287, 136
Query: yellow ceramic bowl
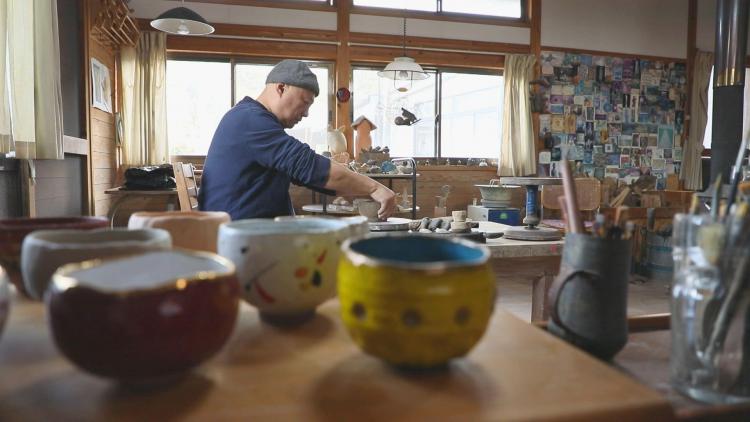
415, 301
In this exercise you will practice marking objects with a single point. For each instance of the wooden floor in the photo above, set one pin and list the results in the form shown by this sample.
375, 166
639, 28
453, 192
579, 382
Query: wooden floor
645, 296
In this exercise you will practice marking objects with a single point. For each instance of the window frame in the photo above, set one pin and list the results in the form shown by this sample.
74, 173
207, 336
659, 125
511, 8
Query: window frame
327, 6
439, 15
233, 60
439, 70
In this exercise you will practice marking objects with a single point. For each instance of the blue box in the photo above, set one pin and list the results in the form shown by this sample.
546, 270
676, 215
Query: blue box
508, 216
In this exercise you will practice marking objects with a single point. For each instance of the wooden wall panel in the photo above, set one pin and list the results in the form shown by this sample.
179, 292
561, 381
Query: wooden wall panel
102, 137
58, 186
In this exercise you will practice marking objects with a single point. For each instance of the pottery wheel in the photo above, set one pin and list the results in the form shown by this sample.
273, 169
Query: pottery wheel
535, 233
392, 224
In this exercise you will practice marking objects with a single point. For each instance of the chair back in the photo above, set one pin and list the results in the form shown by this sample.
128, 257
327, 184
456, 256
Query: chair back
187, 188
588, 193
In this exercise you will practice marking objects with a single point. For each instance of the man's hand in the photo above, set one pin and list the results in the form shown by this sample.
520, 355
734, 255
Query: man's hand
387, 200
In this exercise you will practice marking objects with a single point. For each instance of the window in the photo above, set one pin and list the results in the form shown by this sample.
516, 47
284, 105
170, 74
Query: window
250, 78
199, 93
423, 5
470, 106
494, 8
471, 115
377, 99
709, 122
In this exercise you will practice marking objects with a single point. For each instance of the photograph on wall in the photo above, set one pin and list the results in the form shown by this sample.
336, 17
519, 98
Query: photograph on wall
658, 163
101, 88
677, 154
666, 137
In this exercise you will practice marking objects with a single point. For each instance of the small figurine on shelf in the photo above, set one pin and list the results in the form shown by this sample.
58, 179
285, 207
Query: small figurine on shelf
363, 142
336, 140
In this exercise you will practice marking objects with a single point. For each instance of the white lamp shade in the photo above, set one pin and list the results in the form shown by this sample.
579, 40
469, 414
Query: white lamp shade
182, 21
403, 69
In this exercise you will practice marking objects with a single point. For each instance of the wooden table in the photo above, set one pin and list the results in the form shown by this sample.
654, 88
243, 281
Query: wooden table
315, 372
123, 195
646, 358
541, 258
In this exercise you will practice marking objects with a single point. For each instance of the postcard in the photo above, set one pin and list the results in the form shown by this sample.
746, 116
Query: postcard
665, 137
556, 108
658, 163
677, 154
558, 123
545, 157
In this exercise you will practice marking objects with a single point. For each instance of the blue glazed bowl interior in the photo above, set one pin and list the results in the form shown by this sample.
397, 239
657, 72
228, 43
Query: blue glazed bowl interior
419, 249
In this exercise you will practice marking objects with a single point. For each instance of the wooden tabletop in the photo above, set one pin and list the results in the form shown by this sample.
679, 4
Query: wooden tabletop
509, 248
118, 191
315, 372
507, 180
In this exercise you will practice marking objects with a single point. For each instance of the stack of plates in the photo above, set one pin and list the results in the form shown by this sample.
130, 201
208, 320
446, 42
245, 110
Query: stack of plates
495, 204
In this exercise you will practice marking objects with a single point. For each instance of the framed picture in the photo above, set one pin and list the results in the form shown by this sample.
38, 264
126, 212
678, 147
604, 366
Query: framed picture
101, 95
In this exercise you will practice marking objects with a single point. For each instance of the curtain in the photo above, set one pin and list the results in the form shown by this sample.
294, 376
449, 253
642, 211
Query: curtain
30, 91
690, 172
144, 100
517, 156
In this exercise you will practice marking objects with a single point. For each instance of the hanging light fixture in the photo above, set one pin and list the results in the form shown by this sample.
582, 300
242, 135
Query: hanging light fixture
403, 70
182, 21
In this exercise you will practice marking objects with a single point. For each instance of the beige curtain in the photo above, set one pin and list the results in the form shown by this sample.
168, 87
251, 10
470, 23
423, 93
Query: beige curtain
690, 172
144, 101
517, 140
30, 96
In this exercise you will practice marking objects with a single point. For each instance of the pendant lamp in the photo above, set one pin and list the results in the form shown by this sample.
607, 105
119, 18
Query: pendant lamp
403, 70
182, 21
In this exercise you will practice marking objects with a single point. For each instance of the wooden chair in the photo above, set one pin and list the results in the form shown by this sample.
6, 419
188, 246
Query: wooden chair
588, 193
187, 188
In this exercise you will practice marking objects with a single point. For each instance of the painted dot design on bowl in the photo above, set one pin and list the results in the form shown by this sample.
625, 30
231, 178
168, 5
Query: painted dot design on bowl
411, 318
359, 312
463, 315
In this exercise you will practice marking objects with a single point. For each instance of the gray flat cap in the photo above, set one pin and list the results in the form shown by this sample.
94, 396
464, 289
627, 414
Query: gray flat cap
296, 73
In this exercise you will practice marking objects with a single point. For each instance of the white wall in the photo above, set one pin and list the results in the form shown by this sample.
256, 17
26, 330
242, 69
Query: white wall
439, 29
243, 15
646, 27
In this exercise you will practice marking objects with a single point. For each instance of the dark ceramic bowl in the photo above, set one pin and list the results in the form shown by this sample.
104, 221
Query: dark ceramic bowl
145, 317
4, 299
13, 231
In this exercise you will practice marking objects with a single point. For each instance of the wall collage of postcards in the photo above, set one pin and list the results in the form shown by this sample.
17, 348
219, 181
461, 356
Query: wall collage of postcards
615, 117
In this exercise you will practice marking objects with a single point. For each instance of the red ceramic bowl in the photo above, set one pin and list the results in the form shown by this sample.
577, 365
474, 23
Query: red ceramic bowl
13, 231
144, 317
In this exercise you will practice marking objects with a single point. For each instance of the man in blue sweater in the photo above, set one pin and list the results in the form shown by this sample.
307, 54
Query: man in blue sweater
252, 160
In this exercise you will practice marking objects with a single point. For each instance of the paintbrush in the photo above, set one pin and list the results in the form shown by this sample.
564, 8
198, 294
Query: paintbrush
744, 190
569, 187
737, 171
695, 204
735, 270
716, 198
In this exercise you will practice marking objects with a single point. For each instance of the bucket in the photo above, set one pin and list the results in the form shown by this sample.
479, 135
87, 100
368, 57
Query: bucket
659, 261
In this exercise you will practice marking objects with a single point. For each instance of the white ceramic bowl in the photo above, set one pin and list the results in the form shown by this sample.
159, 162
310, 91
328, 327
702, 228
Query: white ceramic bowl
45, 250
285, 268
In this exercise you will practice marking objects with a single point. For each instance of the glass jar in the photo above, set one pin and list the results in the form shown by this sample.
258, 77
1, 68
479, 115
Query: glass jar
710, 357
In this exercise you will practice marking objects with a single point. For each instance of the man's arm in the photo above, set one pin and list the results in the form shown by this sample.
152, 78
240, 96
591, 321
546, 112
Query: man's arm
347, 182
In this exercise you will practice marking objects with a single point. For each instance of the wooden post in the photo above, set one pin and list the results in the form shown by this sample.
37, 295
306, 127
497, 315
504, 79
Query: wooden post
692, 22
343, 73
535, 38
